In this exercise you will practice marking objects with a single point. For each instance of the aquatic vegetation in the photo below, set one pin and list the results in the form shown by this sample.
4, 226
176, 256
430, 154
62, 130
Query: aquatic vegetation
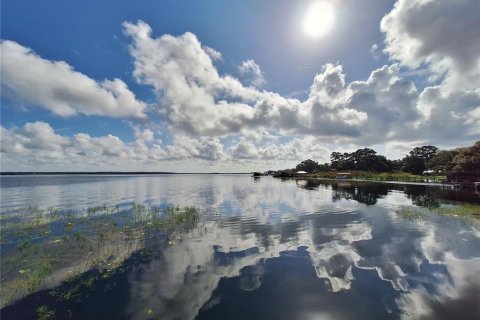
42, 248
465, 211
44, 313
411, 213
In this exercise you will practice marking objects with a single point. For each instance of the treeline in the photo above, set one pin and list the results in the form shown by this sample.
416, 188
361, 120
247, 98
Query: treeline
417, 161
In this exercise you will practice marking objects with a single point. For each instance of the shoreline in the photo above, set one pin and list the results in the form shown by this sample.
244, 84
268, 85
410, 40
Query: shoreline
433, 184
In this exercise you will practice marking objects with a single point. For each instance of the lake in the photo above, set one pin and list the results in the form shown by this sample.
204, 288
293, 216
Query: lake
235, 247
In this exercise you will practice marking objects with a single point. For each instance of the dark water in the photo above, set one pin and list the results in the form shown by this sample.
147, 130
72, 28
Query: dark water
267, 249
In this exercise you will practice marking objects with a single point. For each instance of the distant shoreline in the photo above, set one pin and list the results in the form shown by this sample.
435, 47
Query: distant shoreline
108, 173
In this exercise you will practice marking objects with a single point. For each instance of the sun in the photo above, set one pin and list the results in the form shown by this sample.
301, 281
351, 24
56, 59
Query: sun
319, 19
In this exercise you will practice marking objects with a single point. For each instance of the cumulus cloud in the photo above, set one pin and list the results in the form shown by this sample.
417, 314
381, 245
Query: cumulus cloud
442, 38
143, 134
440, 35
214, 117
54, 85
34, 138
198, 100
251, 71
37, 143
214, 54
269, 148
449, 115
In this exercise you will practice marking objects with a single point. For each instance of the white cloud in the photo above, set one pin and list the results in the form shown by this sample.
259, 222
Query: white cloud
213, 117
457, 113
34, 138
374, 51
442, 38
244, 150
250, 71
145, 134
54, 85
440, 35
214, 54
37, 145
37, 142
198, 100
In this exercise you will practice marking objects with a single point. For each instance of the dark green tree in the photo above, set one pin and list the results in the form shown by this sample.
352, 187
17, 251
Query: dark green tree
468, 159
367, 159
395, 165
443, 161
324, 167
337, 161
307, 166
416, 161
425, 153
413, 165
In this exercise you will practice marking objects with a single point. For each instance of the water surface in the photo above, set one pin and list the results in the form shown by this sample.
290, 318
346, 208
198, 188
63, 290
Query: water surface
263, 249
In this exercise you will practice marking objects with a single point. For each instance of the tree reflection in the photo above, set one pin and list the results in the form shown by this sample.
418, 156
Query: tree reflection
366, 193
369, 192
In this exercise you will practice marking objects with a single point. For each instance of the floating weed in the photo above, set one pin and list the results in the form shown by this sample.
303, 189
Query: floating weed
467, 212
81, 287
44, 313
79, 239
96, 209
36, 277
464, 210
57, 245
410, 213
25, 242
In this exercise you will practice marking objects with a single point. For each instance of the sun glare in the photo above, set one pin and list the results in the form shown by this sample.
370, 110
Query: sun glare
319, 19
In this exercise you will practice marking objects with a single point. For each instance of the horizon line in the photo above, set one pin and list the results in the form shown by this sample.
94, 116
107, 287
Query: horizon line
6, 173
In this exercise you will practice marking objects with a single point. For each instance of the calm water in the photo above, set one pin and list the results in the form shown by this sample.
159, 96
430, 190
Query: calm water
268, 249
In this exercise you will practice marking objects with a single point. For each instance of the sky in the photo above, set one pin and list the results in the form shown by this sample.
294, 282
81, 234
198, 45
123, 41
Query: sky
233, 86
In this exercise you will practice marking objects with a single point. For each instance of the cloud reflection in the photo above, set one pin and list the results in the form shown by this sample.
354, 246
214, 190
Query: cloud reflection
342, 246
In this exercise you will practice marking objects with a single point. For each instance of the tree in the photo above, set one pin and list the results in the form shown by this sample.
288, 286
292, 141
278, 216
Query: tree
337, 161
443, 161
468, 159
362, 159
324, 167
425, 153
367, 159
413, 164
395, 165
307, 166
416, 161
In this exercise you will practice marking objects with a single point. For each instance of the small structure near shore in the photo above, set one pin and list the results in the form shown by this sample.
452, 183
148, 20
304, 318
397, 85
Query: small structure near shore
301, 173
343, 176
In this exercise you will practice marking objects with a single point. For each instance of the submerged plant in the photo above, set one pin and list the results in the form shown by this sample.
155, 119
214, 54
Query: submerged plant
411, 213
44, 313
39, 243
465, 211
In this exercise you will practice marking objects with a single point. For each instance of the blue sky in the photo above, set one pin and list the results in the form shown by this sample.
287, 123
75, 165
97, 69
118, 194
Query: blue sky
383, 77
